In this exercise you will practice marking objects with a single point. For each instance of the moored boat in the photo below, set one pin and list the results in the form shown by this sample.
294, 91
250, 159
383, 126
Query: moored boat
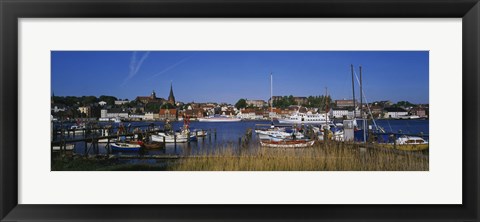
169, 138
219, 119
126, 147
66, 147
287, 143
306, 118
407, 143
154, 145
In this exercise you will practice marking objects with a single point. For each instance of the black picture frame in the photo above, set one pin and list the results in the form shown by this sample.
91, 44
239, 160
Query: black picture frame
11, 11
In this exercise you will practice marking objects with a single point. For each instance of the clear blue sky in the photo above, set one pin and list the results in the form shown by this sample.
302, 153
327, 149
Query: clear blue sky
226, 76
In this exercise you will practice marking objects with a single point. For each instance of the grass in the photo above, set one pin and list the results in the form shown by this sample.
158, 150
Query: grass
321, 157
101, 164
334, 156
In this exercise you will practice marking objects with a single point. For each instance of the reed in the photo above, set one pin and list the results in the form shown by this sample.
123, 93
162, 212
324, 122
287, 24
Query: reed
321, 157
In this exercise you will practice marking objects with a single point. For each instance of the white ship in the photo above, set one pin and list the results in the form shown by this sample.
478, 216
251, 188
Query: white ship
219, 119
306, 118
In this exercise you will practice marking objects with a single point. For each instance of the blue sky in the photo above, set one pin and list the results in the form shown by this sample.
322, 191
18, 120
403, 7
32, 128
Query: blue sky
226, 76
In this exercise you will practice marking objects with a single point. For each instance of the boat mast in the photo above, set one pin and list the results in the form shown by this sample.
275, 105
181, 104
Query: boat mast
271, 96
364, 125
353, 90
361, 93
326, 105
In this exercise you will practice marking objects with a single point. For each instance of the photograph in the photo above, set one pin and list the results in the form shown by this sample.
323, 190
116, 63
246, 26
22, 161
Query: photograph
240, 110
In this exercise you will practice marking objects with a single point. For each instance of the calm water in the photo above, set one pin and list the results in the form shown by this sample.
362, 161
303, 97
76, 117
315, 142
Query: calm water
228, 134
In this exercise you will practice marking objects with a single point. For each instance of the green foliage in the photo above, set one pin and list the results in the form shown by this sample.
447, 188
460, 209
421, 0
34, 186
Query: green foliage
152, 107
404, 104
312, 101
87, 100
109, 99
241, 103
167, 106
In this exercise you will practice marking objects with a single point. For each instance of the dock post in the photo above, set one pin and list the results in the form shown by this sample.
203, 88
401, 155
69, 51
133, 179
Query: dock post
395, 142
96, 144
85, 151
108, 146
175, 138
163, 139
215, 131
188, 137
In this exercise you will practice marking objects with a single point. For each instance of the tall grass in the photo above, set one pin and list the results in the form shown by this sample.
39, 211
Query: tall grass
321, 157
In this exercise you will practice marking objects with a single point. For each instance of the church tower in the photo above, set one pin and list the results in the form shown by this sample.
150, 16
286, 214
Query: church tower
153, 96
171, 97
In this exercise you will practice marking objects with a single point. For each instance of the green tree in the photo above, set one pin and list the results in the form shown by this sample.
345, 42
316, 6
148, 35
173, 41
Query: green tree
109, 99
152, 107
86, 100
404, 104
241, 103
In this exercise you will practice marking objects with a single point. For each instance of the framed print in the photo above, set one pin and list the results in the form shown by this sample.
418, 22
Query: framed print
277, 110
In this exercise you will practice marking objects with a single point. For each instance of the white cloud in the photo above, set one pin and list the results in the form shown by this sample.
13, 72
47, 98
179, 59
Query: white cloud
135, 66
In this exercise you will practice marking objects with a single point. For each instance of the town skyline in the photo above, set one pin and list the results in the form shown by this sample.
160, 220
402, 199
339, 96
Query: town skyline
207, 76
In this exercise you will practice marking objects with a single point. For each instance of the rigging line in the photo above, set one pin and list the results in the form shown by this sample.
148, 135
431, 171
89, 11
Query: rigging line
391, 130
366, 101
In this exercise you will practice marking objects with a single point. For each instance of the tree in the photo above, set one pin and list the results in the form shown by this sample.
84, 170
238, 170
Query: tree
109, 99
404, 104
152, 107
242, 103
87, 100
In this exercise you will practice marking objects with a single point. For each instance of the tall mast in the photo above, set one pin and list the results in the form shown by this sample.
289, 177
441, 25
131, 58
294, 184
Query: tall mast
361, 93
271, 93
326, 105
353, 90
364, 125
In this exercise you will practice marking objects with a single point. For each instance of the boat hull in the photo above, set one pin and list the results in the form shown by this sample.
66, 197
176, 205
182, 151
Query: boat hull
68, 147
302, 122
219, 120
287, 144
154, 145
169, 139
125, 147
405, 147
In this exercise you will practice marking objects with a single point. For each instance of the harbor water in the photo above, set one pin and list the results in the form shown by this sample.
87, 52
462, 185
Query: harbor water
227, 135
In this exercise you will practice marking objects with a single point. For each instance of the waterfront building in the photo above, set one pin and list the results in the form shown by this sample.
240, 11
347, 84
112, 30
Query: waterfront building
298, 100
395, 112
376, 111
168, 113
418, 111
121, 102
340, 113
103, 113
152, 116
136, 116
89, 111
116, 113
102, 103
345, 103
149, 99
194, 113
255, 103
252, 114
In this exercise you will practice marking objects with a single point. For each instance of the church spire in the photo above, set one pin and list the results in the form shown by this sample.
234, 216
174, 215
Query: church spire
171, 97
